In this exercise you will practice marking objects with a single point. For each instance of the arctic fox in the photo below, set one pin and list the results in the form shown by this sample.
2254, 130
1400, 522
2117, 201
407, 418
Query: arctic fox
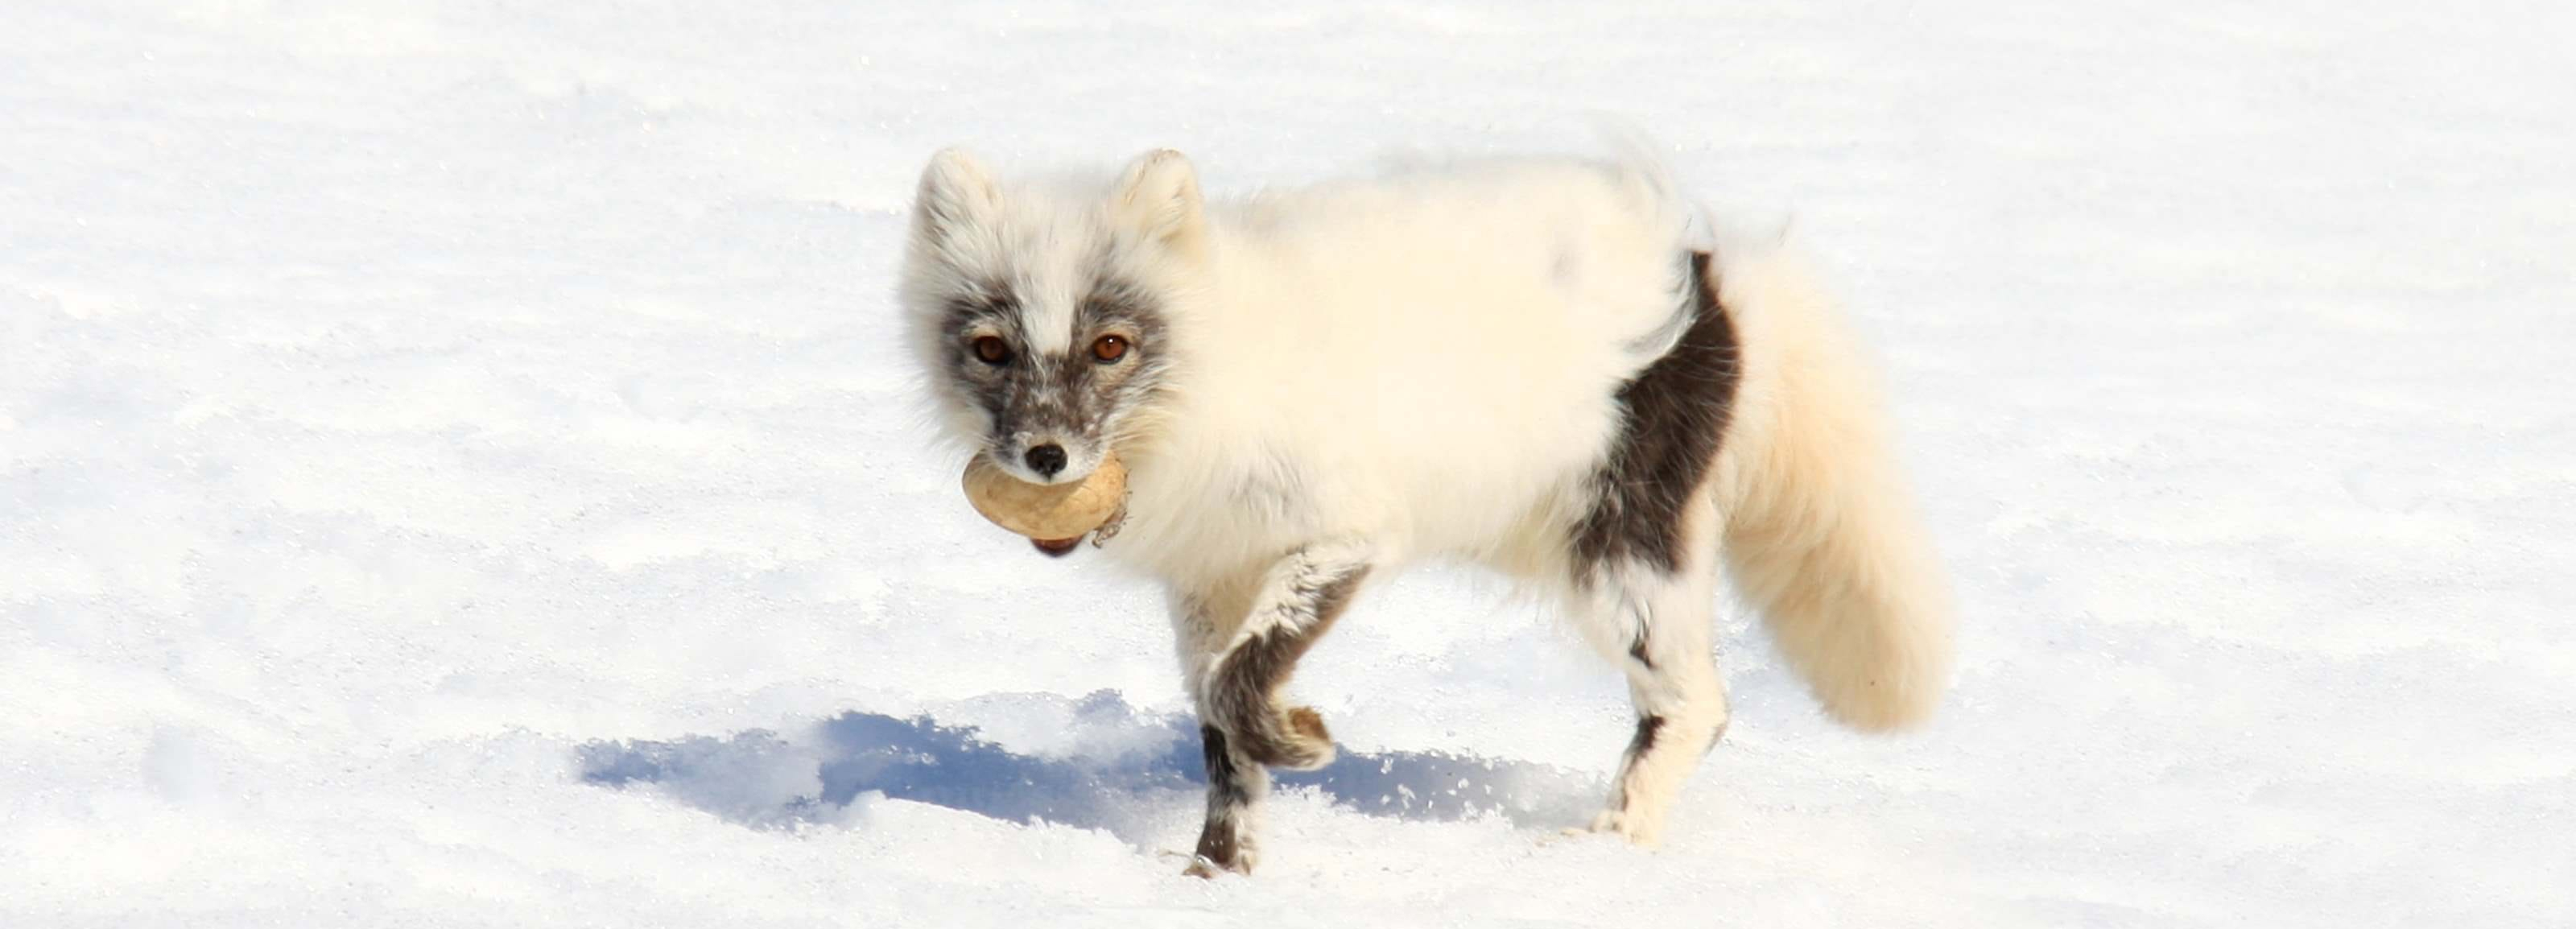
1546, 366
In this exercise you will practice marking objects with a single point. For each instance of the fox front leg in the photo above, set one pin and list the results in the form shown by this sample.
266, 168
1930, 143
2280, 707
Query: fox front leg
1245, 730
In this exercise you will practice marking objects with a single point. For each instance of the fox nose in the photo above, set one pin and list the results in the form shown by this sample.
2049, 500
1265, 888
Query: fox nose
1046, 459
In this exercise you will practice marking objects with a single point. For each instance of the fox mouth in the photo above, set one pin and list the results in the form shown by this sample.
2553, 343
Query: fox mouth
1018, 469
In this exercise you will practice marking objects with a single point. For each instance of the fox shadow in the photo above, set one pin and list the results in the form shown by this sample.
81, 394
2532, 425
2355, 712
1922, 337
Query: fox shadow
764, 779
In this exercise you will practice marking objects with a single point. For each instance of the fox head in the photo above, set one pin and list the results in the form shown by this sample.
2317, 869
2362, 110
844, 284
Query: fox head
1042, 314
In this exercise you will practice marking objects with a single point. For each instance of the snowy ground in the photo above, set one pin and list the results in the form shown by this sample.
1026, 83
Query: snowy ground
453, 471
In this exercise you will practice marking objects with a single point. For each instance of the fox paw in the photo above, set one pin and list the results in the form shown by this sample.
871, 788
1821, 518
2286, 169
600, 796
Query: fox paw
1638, 830
1310, 745
1206, 870
1292, 738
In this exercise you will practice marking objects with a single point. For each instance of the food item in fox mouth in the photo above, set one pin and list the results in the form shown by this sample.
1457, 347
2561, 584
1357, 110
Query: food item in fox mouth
1053, 516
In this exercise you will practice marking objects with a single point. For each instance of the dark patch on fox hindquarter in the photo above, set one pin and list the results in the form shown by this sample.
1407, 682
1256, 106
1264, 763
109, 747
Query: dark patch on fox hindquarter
1672, 417
1247, 676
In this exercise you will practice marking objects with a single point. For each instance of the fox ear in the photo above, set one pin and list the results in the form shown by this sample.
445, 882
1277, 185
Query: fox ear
955, 191
1160, 196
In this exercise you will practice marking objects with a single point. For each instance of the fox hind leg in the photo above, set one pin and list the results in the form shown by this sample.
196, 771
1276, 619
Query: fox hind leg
1645, 556
1657, 626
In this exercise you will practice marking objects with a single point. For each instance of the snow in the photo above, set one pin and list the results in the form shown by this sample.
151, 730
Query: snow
455, 470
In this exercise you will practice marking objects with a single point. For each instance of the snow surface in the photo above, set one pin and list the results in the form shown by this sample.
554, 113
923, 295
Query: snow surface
455, 470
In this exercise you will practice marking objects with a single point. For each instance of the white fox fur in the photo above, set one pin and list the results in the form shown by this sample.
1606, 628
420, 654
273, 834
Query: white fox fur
1821, 537
1323, 385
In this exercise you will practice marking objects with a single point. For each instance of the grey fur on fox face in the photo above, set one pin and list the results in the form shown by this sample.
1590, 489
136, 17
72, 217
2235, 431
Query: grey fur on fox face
1071, 400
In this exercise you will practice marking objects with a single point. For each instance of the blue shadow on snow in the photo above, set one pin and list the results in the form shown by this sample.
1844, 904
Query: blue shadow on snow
758, 778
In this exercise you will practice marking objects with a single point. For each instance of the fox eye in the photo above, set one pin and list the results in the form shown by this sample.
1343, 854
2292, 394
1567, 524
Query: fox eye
992, 350
1109, 348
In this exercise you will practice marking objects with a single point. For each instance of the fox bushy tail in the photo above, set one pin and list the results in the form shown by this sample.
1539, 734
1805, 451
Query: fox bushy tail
1821, 535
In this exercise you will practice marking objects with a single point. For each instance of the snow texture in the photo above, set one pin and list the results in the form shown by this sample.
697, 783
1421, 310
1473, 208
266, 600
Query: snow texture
456, 469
